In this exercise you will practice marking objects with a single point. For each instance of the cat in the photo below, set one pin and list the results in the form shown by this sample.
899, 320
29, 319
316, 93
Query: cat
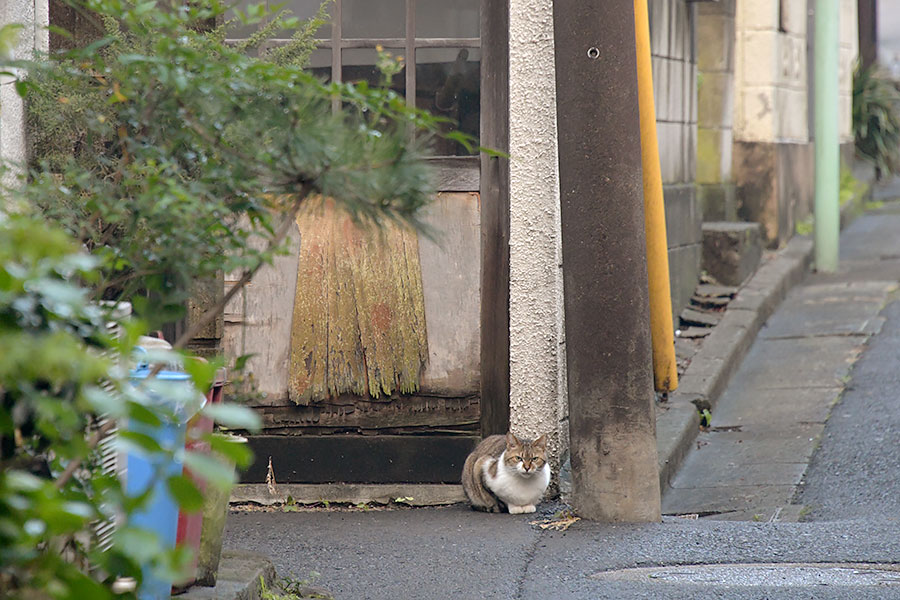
506, 473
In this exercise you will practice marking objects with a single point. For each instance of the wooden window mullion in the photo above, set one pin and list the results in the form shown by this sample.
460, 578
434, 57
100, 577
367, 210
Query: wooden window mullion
411, 52
336, 48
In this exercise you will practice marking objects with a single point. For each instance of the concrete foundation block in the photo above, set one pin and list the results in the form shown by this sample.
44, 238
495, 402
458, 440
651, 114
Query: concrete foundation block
731, 251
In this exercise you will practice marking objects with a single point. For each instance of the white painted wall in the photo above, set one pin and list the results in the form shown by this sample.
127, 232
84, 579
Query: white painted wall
538, 399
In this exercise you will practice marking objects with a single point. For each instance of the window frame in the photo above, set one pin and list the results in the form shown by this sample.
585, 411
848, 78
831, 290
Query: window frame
453, 173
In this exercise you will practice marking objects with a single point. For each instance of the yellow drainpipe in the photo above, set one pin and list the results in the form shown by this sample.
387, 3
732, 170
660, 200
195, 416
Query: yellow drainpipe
665, 376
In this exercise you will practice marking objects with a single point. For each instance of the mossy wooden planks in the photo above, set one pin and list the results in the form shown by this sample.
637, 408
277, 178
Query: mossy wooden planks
359, 311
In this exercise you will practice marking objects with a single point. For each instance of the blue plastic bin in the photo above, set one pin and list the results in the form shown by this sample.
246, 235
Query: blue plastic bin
160, 514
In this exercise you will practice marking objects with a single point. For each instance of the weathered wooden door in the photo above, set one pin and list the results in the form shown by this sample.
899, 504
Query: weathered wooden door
384, 358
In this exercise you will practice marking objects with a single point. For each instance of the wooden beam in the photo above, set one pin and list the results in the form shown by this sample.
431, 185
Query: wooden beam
495, 218
352, 413
359, 459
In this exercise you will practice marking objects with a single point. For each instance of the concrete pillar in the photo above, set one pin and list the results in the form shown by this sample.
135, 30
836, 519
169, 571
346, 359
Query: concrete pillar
536, 345
611, 413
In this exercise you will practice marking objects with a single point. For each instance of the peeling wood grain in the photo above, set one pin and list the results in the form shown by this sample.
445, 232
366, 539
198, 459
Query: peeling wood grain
351, 413
359, 314
258, 320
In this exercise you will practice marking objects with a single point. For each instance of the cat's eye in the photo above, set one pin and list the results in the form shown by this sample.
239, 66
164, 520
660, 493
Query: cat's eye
517, 458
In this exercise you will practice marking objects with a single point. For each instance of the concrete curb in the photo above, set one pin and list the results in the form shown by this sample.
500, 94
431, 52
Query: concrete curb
239, 577
677, 421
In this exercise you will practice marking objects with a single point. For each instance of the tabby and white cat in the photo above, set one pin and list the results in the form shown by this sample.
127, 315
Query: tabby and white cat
506, 473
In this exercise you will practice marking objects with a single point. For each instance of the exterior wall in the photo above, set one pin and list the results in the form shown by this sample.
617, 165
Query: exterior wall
888, 36
772, 154
33, 14
538, 399
715, 112
675, 96
848, 53
258, 321
771, 72
773, 158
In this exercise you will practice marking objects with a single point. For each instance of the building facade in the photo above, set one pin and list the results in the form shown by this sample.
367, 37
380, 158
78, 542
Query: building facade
482, 305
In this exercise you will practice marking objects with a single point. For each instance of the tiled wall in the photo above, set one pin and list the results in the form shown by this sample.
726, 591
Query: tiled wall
674, 87
674, 66
715, 82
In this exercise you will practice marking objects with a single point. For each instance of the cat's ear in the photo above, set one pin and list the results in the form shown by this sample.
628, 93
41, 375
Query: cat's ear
511, 440
541, 442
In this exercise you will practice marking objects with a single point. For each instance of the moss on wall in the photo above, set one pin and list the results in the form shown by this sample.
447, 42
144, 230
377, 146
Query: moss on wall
359, 311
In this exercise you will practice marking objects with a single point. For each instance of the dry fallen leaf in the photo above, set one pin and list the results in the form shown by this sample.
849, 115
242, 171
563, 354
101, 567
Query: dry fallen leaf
557, 524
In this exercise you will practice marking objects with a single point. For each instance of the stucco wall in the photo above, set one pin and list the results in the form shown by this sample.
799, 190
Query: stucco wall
33, 14
538, 401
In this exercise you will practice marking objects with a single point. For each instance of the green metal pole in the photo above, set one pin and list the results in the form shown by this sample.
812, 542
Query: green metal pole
827, 143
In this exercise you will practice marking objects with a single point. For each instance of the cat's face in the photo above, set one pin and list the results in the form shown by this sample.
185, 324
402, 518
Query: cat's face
525, 457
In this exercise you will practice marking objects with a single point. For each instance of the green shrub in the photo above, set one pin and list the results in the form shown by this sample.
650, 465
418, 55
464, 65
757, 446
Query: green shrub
876, 118
173, 156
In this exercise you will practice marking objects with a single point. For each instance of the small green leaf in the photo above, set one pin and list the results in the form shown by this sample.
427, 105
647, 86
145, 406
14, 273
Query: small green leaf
230, 447
203, 373
241, 361
139, 441
139, 544
211, 469
185, 493
143, 415
233, 416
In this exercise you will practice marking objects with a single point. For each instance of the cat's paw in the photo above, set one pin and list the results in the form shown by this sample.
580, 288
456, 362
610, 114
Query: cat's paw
518, 510
529, 508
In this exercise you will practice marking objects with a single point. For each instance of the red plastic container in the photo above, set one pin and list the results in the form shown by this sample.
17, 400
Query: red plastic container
191, 524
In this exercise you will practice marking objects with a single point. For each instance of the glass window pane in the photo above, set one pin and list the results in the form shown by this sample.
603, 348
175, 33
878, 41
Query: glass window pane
448, 83
238, 30
302, 9
320, 63
371, 19
443, 19
358, 64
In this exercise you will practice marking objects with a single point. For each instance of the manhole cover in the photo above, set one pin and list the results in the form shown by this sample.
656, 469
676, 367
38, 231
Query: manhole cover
763, 574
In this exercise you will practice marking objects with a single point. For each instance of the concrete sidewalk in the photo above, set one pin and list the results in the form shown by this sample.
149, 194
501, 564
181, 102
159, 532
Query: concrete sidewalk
771, 417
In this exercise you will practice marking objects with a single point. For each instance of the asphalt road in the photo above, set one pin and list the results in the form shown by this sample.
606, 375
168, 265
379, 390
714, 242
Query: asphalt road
455, 553
856, 472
